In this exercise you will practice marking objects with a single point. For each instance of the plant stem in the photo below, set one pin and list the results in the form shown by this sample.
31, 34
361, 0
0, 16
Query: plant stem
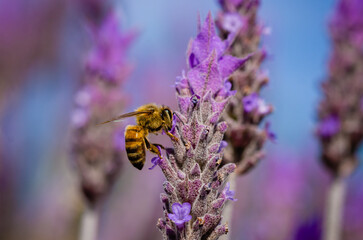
89, 224
334, 210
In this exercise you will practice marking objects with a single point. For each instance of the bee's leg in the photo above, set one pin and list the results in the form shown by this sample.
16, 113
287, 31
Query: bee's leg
171, 136
153, 147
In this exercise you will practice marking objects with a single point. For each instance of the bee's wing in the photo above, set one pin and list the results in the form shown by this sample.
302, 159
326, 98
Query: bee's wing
126, 115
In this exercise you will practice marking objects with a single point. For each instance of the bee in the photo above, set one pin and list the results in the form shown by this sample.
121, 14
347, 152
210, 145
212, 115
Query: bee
150, 118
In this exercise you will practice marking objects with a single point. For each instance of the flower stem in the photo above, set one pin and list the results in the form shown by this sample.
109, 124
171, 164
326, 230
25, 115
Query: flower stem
334, 210
228, 210
89, 224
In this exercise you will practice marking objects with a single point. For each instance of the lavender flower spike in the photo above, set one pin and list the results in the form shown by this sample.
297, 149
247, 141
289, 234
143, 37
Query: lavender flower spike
340, 127
97, 150
341, 117
246, 136
193, 168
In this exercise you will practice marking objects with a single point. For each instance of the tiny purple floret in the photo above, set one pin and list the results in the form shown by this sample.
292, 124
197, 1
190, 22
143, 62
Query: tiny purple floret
250, 102
232, 22
329, 126
156, 160
181, 214
222, 146
229, 194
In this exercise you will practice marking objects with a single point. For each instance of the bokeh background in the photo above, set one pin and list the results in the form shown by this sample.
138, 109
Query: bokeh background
42, 45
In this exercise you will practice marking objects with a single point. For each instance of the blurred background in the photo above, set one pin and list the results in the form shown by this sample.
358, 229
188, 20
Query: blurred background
42, 46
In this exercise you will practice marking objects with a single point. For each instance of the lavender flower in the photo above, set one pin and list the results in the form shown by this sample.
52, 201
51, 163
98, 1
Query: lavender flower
341, 119
193, 168
247, 109
97, 150
105, 59
329, 126
180, 214
250, 102
229, 194
155, 161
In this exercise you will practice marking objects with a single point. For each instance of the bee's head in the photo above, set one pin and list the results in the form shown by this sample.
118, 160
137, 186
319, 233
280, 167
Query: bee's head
167, 116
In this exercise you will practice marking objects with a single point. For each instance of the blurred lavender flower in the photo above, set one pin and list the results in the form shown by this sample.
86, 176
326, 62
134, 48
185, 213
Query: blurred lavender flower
106, 58
247, 109
97, 150
192, 168
341, 118
328, 126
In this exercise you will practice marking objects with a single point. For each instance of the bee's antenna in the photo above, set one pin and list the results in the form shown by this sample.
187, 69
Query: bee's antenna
179, 117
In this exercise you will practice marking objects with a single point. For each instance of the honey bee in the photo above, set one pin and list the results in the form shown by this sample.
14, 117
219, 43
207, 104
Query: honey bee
150, 118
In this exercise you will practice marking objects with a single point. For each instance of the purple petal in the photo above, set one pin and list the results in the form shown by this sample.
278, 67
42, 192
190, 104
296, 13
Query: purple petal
176, 208
222, 146
250, 102
232, 22
227, 186
188, 218
173, 217
205, 77
186, 208
228, 64
207, 41
155, 161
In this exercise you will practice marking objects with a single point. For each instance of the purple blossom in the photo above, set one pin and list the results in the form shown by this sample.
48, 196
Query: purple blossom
223, 145
254, 102
191, 167
329, 126
107, 57
347, 22
209, 68
181, 213
340, 116
250, 102
229, 194
207, 60
232, 22
97, 150
241, 29
155, 161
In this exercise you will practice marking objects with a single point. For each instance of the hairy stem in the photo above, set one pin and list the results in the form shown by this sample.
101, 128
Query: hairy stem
334, 210
89, 224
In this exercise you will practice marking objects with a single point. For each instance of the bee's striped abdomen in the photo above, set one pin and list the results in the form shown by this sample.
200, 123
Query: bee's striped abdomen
135, 145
